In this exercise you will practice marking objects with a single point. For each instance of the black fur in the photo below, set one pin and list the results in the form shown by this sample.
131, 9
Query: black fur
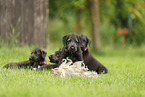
37, 58
54, 58
71, 48
89, 60
68, 41
48, 66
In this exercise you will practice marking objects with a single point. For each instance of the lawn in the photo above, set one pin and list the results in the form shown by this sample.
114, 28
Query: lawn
126, 77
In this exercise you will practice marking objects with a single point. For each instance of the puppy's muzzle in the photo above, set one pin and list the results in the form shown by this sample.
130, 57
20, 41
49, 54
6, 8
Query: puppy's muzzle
72, 48
31, 58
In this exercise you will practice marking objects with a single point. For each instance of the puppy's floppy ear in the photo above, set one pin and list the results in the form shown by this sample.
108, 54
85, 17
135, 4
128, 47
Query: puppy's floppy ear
64, 39
88, 41
60, 49
80, 39
43, 54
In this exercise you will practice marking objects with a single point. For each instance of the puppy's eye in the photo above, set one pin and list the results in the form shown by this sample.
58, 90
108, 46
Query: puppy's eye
68, 40
57, 55
77, 41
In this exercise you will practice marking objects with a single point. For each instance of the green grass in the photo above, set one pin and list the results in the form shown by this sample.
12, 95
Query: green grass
126, 77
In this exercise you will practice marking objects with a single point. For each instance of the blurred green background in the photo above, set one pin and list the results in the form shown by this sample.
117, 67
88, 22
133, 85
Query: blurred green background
122, 22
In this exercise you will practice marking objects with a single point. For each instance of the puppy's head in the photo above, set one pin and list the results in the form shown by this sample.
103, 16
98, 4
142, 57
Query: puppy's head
71, 42
84, 42
37, 55
54, 58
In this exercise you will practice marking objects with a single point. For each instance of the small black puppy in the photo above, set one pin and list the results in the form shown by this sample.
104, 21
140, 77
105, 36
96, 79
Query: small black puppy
71, 48
36, 59
89, 60
55, 57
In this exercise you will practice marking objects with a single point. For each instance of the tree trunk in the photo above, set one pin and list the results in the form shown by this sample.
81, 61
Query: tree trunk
25, 21
78, 21
94, 9
40, 18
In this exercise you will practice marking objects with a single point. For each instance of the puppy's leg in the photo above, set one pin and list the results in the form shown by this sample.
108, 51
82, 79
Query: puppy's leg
18, 64
62, 56
79, 55
51, 66
101, 69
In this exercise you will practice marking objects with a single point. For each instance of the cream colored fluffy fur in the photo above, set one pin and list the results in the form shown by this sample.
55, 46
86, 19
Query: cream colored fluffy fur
69, 68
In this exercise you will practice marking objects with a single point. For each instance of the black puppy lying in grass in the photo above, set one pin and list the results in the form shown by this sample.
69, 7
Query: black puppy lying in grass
36, 59
54, 58
89, 60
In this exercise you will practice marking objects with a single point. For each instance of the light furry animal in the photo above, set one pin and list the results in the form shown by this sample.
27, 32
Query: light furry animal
67, 67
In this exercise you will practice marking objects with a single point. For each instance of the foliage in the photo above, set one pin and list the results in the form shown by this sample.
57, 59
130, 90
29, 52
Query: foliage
124, 14
125, 78
61, 9
114, 15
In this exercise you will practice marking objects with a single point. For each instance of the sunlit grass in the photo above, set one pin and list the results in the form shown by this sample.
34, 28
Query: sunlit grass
126, 77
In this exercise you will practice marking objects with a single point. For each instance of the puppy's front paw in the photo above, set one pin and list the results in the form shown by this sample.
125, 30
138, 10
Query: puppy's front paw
102, 69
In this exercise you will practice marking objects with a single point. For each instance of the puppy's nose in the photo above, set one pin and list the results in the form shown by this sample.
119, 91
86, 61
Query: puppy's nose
72, 47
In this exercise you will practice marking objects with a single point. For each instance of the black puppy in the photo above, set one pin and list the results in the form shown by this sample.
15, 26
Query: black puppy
55, 57
36, 59
89, 60
71, 48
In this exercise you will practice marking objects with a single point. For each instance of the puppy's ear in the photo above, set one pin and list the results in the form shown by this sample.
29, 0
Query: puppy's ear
80, 39
64, 39
60, 50
43, 54
88, 41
